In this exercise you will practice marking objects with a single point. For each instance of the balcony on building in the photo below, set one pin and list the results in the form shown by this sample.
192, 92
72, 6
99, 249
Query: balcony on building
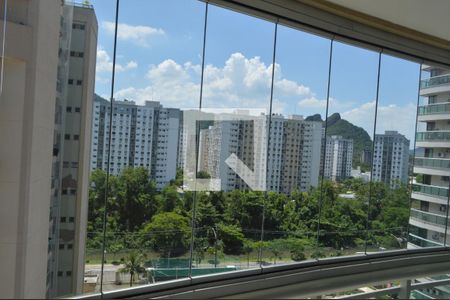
433, 139
427, 220
430, 193
432, 166
416, 241
435, 85
434, 112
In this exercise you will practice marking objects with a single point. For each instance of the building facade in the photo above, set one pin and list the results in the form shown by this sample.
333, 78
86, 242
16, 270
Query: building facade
391, 158
338, 158
293, 159
71, 163
49, 68
430, 191
366, 156
142, 136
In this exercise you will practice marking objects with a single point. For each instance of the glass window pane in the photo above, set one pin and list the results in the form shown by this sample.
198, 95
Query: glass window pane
349, 136
158, 67
300, 93
233, 140
392, 164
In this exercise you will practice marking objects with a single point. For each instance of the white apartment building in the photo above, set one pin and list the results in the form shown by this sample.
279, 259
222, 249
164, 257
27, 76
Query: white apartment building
431, 191
391, 158
217, 143
142, 136
45, 113
294, 152
300, 155
338, 158
71, 167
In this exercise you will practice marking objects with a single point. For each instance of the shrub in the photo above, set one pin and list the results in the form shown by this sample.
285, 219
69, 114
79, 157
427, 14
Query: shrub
318, 254
297, 255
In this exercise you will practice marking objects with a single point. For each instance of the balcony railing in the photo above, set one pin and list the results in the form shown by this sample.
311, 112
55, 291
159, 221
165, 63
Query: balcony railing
432, 109
433, 136
429, 217
430, 190
421, 242
435, 163
435, 81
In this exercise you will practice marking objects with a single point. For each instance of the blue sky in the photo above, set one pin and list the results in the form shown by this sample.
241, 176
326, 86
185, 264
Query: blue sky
159, 58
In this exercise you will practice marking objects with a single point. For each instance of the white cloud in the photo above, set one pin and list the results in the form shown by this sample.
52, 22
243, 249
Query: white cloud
389, 117
241, 82
138, 34
131, 65
313, 102
104, 63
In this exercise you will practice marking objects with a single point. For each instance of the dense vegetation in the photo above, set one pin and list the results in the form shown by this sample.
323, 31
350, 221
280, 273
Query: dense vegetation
229, 223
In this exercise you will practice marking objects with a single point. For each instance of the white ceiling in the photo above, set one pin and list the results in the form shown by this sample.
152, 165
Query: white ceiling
428, 16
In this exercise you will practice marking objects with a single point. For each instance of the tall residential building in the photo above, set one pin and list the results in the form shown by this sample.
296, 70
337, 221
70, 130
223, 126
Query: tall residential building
49, 67
142, 136
71, 163
431, 189
301, 154
366, 156
293, 160
391, 158
428, 217
338, 158
217, 143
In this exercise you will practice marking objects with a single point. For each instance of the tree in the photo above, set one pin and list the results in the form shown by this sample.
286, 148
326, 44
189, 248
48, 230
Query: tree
248, 248
168, 233
179, 177
115, 247
135, 197
231, 237
170, 198
276, 247
133, 265
207, 215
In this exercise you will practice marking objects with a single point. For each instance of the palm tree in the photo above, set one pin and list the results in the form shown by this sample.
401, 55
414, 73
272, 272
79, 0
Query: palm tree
133, 265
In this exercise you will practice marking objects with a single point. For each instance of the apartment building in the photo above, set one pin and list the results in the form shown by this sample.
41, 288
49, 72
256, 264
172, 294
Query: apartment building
218, 142
71, 165
142, 136
45, 110
293, 158
391, 158
431, 189
430, 192
301, 154
338, 158
366, 156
